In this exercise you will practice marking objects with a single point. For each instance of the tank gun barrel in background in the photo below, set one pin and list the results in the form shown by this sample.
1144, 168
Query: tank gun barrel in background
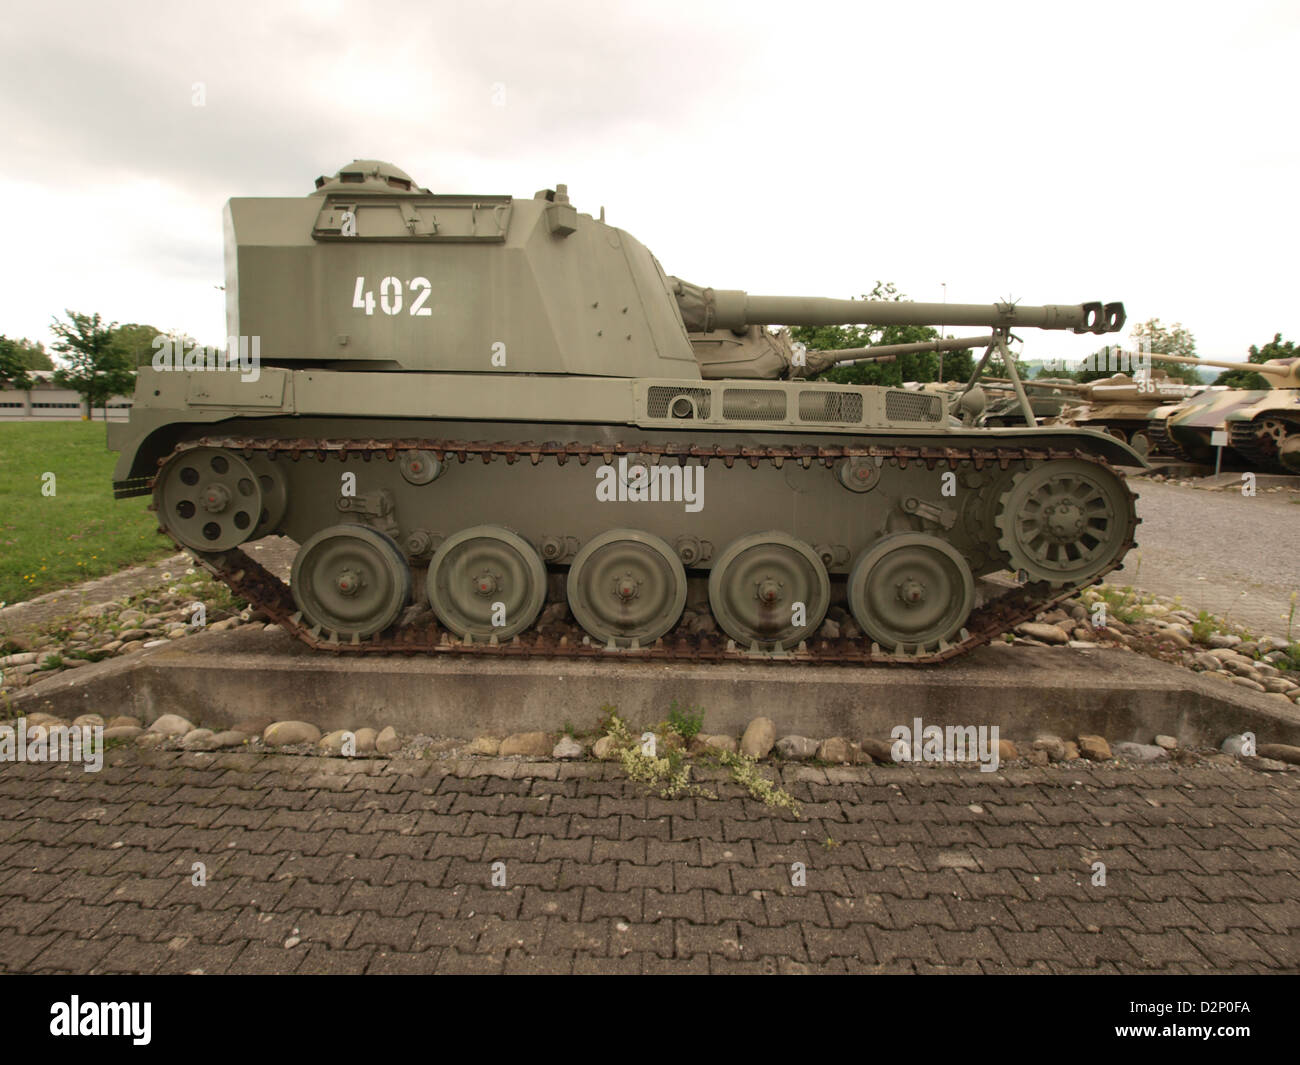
887, 353
822, 359
849, 356
1062, 386
707, 309
1280, 373
878, 352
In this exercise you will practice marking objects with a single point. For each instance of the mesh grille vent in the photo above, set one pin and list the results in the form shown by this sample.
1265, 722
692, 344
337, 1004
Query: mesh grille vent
912, 407
659, 402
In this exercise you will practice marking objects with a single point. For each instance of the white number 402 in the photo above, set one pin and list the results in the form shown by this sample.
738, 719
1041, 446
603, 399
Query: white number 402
390, 296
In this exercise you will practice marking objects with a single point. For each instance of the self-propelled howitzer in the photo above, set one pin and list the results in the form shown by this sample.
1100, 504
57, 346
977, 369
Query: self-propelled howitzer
500, 403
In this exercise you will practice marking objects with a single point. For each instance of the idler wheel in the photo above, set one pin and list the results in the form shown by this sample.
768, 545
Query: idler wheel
1140, 442
1065, 521
911, 590
769, 589
626, 587
486, 581
350, 580
209, 499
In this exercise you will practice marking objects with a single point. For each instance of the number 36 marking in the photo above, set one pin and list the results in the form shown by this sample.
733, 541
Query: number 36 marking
390, 296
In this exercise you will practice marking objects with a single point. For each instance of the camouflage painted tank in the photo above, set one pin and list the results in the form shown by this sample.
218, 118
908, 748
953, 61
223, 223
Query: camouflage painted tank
504, 410
1263, 427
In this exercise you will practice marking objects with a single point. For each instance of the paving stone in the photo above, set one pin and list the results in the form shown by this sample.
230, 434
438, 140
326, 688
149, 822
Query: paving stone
907, 870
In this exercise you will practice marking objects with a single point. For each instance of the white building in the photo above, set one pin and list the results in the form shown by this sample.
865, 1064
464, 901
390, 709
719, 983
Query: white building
47, 400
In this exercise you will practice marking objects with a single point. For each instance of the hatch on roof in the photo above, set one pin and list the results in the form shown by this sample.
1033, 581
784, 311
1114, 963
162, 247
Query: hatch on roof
370, 176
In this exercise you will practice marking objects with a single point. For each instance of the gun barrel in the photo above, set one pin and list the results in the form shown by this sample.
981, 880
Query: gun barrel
1278, 373
1062, 386
1258, 367
880, 351
706, 309
852, 356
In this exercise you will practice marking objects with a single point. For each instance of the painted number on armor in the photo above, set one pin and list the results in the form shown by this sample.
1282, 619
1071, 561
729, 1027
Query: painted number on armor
390, 296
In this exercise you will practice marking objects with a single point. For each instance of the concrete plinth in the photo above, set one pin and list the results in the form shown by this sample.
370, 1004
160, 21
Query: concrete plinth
221, 678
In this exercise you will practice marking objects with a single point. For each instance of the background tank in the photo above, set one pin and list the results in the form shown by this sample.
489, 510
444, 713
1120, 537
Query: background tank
1047, 397
1122, 407
498, 408
1263, 426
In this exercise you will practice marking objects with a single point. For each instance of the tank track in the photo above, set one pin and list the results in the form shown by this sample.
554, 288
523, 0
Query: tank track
265, 592
1244, 438
1162, 441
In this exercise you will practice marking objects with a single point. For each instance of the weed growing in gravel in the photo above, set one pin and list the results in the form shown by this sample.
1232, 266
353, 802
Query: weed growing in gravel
744, 771
1204, 627
684, 723
89, 656
1122, 603
670, 775
608, 715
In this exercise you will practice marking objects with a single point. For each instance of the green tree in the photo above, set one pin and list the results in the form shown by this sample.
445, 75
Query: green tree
136, 342
13, 371
98, 368
957, 365
1169, 340
33, 355
1101, 359
1274, 349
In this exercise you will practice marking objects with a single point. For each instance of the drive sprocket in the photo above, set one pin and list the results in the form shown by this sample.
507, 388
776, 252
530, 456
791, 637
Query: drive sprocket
1065, 521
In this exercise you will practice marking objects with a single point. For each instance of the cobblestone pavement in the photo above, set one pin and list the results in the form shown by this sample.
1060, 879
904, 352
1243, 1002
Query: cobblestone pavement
326, 865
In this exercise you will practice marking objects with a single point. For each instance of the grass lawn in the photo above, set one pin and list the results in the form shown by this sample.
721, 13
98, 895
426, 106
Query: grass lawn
80, 531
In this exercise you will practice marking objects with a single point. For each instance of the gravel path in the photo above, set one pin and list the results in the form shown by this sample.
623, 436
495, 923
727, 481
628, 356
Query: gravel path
65, 602
1220, 551
273, 552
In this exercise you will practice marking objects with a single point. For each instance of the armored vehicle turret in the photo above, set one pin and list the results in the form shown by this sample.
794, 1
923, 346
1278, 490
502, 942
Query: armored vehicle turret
505, 410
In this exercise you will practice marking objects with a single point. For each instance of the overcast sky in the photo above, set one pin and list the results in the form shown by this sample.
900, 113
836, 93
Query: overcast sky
1055, 153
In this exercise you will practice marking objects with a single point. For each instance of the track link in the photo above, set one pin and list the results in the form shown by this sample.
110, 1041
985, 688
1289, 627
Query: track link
1163, 442
266, 592
1246, 438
